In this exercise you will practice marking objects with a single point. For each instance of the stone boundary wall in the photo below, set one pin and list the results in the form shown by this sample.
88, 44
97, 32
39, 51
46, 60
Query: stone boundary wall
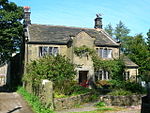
131, 100
71, 102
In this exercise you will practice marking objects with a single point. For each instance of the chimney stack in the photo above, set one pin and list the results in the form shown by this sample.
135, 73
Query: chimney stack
27, 13
98, 21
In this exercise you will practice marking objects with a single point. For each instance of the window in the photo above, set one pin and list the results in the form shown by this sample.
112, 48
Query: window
104, 53
102, 75
127, 75
48, 51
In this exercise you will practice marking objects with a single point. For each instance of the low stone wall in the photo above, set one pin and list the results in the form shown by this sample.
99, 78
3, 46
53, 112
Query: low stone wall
70, 102
121, 100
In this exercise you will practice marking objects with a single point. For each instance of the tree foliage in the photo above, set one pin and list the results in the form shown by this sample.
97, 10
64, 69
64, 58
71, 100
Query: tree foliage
109, 29
11, 29
121, 31
148, 40
137, 50
52, 68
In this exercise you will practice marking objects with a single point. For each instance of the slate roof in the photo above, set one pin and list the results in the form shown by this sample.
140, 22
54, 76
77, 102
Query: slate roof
129, 63
62, 35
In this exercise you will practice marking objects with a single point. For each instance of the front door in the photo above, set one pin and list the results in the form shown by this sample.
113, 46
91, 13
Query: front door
82, 76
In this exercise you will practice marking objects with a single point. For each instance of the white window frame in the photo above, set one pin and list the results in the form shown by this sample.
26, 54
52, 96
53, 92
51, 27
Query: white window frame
102, 75
104, 52
54, 51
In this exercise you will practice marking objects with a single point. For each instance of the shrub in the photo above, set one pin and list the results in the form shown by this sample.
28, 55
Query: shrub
116, 84
101, 104
134, 87
120, 92
54, 68
103, 83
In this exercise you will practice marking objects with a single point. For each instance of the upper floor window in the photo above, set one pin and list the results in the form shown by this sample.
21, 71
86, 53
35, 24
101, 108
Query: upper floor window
48, 51
104, 52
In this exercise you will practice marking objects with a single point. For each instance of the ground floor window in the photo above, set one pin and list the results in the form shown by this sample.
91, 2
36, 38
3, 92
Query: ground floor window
126, 75
45, 50
102, 75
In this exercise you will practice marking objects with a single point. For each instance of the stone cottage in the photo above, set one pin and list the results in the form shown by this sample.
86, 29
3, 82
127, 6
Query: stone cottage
53, 40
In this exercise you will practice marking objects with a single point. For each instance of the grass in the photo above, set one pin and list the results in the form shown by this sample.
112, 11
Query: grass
102, 110
33, 101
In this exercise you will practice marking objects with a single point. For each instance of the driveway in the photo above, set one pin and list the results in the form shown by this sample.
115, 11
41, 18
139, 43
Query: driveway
13, 103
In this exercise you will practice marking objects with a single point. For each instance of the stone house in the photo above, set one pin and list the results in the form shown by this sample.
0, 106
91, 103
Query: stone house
53, 40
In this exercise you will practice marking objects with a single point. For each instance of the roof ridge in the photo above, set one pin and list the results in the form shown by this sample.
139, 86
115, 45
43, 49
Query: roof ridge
65, 26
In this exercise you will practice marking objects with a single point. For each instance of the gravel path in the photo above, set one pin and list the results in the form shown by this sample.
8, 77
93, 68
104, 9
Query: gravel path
13, 103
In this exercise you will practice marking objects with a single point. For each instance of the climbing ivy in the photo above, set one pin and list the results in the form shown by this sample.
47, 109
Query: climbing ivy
115, 67
83, 50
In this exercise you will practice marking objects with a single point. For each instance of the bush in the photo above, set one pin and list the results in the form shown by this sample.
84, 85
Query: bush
103, 83
120, 92
100, 104
127, 85
116, 84
54, 68
134, 87
69, 88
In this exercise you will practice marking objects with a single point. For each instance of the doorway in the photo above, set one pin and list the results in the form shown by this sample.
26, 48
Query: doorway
82, 76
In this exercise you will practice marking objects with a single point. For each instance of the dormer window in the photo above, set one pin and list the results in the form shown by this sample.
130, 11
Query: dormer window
48, 51
104, 52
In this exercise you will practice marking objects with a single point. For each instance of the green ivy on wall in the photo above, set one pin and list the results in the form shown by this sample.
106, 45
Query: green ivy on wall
83, 51
115, 67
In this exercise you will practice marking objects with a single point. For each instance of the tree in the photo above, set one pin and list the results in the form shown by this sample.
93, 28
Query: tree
148, 39
109, 29
121, 31
137, 50
11, 29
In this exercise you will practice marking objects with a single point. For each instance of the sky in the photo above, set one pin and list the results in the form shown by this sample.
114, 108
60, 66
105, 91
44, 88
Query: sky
135, 14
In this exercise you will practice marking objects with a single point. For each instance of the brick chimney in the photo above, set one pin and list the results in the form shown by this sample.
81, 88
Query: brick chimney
98, 21
27, 13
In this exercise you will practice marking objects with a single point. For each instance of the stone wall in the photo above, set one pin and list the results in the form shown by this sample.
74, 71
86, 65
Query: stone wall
121, 100
70, 102
44, 91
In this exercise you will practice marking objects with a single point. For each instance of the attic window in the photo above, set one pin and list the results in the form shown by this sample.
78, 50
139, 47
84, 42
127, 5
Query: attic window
104, 52
48, 51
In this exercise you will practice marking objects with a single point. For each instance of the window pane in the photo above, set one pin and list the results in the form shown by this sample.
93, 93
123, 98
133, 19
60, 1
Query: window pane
55, 51
100, 74
43, 51
109, 53
101, 52
104, 53
97, 51
40, 51
96, 76
50, 50
105, 75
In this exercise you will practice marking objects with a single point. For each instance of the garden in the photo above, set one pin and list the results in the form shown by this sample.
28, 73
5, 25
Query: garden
61, 72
